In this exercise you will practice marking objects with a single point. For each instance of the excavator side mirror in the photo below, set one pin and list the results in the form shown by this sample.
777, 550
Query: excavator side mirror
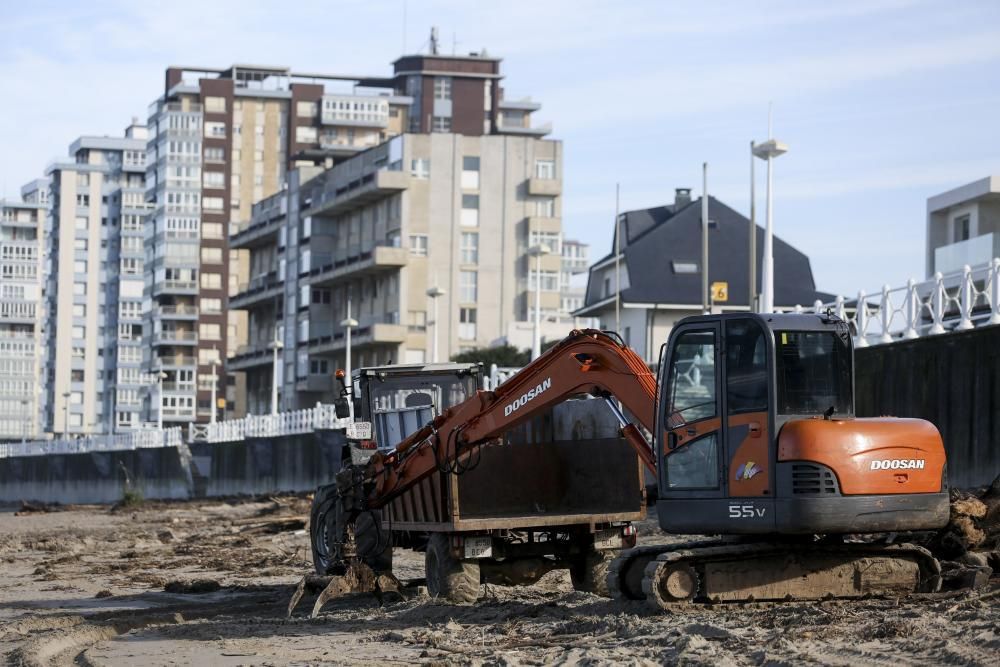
342, 408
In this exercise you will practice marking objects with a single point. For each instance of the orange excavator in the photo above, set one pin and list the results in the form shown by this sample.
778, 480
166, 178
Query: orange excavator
750, 432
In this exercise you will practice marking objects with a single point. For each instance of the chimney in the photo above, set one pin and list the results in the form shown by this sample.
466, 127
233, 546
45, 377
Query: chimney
682, 197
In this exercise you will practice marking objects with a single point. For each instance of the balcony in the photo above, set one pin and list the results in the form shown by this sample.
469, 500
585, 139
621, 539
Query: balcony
355, 111
175, 338
519, 104
22, 312
262, 229
178, 387
178, 414
175, 287
384, 330
250, 356
177, 312
261, 288
979, 250
357, 263
368, 188
522, 130
177, 362
544, 187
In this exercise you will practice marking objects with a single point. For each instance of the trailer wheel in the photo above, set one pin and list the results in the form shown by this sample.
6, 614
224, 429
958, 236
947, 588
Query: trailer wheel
322, 525
374, 544
590, 572
448, 577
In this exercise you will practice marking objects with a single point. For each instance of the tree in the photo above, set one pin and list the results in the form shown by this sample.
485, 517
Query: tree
501, 355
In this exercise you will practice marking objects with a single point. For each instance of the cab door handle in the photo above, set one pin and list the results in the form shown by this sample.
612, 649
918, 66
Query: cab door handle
754, 430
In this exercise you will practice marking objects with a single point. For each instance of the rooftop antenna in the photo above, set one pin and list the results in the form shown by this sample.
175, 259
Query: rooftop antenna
404, 28
454, 43
434, 40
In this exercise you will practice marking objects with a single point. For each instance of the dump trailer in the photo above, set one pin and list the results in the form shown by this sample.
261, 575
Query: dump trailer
750, 430
578, 489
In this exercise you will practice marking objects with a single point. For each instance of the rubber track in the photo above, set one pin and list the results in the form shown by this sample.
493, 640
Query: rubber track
702, 553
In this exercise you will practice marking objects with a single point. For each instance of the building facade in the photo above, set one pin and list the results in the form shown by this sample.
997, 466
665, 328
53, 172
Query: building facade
963, 226
22, 255
94, 268
657, 279
222, 139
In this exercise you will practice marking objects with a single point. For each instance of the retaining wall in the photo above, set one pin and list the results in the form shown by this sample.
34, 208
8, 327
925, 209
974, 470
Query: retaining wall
951, 380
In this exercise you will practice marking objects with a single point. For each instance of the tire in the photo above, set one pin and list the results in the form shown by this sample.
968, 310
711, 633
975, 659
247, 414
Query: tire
374, 544
450, 578
322, 526
589, 572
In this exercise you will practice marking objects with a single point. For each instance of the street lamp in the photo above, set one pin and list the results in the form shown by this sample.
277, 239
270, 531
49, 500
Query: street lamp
538, 251
27, 419
66, 396
349, 323
434, 293
215, 389
276, 346
768, 150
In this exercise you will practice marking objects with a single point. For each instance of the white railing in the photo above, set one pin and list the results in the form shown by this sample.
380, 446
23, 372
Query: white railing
950, 302
144, 439
497, 376
323, 416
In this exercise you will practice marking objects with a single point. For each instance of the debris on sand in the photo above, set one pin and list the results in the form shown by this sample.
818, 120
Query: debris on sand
193, 587
969, 546
105, 593
27, 508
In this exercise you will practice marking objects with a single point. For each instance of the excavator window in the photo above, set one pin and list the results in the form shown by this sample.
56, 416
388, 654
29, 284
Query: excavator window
692, 378
746, 367
813, 372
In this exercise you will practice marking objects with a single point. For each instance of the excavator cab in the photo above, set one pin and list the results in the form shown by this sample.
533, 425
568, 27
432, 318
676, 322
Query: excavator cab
757, 434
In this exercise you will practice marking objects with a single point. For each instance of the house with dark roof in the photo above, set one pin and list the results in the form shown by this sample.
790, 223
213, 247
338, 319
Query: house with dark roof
660, 270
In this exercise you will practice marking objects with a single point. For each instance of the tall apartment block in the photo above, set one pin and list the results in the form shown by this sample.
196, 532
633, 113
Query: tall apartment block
220, 140
94, 286
449, 207
22, 239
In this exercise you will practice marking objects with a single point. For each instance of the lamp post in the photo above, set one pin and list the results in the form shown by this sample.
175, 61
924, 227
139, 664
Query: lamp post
768, 150
215, 389
65, 396
348, 323
434, 293
160, 377
27, 420
276, 346
538, 251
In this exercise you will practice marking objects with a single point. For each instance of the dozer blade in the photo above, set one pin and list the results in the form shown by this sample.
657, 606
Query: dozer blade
733, 573
359, 578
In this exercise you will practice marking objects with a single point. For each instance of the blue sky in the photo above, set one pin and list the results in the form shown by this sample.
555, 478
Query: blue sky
882, 102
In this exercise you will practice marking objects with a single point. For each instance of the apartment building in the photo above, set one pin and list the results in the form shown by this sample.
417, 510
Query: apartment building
448, 208
963, 226
220, 140
22, 239
94, 266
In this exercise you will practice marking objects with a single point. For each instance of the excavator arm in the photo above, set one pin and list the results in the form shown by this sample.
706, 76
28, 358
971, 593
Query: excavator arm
586, 362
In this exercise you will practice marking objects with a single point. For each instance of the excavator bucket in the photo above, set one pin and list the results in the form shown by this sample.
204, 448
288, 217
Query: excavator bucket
359, 578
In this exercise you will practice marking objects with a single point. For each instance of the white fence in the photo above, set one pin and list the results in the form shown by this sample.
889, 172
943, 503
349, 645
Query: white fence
144, 439
323, 416
952, 302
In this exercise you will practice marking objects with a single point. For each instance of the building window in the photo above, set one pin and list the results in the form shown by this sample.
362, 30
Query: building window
420, 168
212, 203
215, 155
470, 248
306, 109
467, 323
545, 207
545, 169
79, 266
417, 321
79, 310
211, 281
305, 134
79, 332
441, 124
211, 305
211, 255
215, 129
215, 104
550, 280
81, 224
210, 332
80, 244
470, 211
468, 286
214, 179
470, 172
206, 356
79, 289
211, 230
418, 245
962, 228
551, 240
442, 87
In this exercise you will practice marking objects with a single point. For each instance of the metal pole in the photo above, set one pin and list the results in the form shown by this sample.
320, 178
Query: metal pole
536, 337
159, 393
767, 288
274, 375
215, 383
753, 232
347, 339
705, 303
434, 354
65, 414
618, 253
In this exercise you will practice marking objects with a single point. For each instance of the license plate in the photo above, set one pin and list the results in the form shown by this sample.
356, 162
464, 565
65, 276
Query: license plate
478, 547
609, 538
359, 431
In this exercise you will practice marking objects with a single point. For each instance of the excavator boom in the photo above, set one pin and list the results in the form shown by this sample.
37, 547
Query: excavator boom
585, 362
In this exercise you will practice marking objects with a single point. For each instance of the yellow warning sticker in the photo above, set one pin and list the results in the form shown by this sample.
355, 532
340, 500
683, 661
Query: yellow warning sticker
784, 338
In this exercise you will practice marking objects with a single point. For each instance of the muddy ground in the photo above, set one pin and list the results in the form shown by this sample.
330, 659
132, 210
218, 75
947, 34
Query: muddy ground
90, 587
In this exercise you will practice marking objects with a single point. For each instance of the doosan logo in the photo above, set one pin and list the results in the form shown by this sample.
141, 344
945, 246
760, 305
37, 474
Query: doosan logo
526, 397
898, 464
